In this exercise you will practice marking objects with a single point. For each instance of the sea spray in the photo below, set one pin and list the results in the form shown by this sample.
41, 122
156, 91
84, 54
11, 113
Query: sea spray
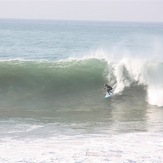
155, 83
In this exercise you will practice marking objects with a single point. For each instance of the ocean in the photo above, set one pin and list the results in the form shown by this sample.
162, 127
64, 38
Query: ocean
52, 105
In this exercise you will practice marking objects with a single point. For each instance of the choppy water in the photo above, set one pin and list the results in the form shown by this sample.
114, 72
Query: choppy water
52, 106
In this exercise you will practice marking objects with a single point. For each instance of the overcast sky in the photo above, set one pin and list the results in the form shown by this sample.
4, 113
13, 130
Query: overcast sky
100, 10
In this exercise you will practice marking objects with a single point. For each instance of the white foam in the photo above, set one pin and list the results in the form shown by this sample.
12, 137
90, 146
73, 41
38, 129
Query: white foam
133, 147
155, 96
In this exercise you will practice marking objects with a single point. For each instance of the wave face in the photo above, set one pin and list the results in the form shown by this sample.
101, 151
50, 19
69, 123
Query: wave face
43, 82
75, 81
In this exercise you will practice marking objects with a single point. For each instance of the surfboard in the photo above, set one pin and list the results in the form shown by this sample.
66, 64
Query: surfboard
108, 95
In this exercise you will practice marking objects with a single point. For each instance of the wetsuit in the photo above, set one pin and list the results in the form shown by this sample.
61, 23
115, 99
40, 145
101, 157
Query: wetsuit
108, 88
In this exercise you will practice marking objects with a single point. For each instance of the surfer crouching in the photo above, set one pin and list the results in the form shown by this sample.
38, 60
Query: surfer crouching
108, 88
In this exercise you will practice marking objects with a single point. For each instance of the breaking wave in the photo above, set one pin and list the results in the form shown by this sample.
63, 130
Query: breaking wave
31, 81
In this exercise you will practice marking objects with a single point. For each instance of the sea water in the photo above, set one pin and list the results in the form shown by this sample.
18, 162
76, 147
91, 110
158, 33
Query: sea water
52, 106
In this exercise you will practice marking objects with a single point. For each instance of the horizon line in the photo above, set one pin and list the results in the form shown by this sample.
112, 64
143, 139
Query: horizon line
77, 20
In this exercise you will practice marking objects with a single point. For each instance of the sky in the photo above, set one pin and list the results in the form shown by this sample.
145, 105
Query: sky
89, 10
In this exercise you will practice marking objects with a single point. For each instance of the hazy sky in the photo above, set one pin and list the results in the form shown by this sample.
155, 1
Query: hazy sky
103, 10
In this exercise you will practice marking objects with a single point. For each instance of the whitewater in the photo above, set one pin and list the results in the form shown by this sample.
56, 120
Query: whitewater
52, 106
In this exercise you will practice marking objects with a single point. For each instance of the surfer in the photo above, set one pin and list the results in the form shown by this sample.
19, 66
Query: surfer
108, 88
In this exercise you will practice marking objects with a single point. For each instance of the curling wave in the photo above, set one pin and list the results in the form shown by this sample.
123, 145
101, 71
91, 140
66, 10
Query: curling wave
44, 81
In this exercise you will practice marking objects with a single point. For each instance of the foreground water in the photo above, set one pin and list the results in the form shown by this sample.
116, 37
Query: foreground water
52, 106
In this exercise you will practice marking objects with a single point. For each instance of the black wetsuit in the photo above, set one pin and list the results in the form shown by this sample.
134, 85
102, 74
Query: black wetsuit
108, 88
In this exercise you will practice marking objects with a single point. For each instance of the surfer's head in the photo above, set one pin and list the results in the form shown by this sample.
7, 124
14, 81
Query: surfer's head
105, 85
